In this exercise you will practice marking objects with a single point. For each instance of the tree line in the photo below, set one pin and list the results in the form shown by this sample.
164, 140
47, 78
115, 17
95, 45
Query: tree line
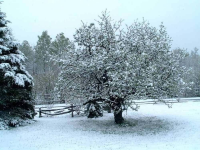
45, 61
41, 65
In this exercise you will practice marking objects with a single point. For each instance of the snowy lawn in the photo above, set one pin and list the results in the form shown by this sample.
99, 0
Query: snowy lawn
152, 127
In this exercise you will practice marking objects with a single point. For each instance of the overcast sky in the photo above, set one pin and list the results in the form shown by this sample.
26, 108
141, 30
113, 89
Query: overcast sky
30, 17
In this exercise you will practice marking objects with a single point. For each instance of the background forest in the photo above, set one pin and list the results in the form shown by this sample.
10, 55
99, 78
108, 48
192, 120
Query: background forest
45, 70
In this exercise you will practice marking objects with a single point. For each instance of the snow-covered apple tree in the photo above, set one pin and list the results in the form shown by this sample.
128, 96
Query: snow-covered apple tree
15, 82
116, 66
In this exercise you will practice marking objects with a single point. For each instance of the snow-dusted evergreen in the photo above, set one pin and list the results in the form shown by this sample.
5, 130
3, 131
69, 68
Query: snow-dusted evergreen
59, 52
15, 82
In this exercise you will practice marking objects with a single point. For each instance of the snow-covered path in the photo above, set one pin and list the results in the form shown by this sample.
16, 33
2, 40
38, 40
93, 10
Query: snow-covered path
152, 127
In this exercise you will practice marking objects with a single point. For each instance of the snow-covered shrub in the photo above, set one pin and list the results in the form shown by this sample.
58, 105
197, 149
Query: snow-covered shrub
94, 110
3, 125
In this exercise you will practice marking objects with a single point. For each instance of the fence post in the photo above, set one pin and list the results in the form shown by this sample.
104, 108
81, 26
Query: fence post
72, 110
40, 113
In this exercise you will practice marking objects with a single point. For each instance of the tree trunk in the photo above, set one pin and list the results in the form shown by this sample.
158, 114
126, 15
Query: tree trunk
109, 110
118, 117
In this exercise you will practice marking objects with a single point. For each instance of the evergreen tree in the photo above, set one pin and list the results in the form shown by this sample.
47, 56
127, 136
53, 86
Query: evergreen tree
192, 62
59, 51
60, 46
42, 51
16, 102
27, 50
44, 76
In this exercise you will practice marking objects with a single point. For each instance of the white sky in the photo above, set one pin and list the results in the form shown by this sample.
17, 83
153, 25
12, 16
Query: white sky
30, 17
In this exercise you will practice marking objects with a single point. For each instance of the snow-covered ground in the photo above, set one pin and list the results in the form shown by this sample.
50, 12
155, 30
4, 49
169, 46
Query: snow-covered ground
153, 127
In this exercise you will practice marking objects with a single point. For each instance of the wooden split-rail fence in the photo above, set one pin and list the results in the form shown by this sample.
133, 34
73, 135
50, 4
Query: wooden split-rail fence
59, 110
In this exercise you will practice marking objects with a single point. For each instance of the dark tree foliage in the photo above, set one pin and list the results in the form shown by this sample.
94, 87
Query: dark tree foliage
15, 82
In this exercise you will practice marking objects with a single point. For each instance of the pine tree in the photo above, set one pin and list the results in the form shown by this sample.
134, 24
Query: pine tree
59, 51
16, 102
42, 50
27, 50
44, 77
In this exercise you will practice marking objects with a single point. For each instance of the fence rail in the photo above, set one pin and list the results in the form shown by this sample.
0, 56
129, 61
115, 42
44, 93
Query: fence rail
59, 111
